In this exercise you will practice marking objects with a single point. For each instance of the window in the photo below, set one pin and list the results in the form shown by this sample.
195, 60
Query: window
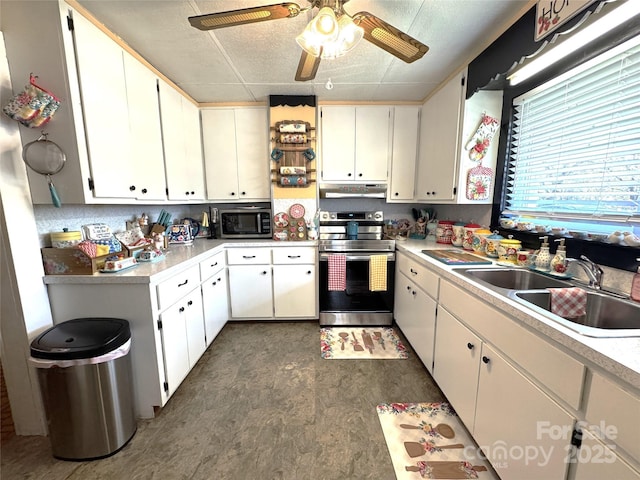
575, 147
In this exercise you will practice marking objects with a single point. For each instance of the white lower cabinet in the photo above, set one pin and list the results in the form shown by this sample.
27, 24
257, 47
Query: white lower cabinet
272, 282
294, 290
215, 300
415, 314
250, 291
416, 293
516, 424
457, 354
595, 460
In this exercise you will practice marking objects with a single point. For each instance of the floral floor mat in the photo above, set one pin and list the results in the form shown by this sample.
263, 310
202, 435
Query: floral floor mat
361, 343
427, 440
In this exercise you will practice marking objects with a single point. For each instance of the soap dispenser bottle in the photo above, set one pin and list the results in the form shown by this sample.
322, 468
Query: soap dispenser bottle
543, 259
559, 261
635, 285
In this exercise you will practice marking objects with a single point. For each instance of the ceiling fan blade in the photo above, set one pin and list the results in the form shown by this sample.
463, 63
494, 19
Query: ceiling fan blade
246, 15
389, 38
308, 67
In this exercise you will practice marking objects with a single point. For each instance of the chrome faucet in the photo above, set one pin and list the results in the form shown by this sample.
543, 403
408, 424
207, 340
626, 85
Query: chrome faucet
592, 269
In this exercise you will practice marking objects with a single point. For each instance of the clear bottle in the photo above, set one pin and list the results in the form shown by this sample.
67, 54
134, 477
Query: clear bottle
559, 261
543, 258
635, 285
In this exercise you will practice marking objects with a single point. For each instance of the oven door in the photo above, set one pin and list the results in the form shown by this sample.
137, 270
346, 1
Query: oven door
357, 305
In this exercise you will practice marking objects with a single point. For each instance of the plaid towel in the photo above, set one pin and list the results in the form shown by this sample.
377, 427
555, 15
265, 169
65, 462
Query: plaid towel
378, 273
337, 280
568, 302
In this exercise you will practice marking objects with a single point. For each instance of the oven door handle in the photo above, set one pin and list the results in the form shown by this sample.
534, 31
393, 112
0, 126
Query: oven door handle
360, 258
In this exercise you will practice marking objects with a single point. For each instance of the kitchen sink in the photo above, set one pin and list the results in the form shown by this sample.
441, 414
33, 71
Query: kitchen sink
512, 278
606, 316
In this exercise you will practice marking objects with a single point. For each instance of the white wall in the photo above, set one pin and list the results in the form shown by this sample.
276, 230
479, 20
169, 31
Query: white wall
24, 306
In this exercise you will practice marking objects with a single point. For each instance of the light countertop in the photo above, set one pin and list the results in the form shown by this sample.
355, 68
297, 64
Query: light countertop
617, 356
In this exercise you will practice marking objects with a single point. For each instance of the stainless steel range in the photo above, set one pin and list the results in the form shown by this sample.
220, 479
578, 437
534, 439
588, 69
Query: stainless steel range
354, 238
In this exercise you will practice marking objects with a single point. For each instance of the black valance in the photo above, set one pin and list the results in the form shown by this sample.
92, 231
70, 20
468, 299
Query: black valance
292, 100
489, 68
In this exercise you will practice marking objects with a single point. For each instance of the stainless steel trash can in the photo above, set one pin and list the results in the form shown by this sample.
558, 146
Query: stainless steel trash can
84, 370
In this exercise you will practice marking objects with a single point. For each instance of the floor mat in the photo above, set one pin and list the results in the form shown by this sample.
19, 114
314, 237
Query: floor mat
427, 440
361, 343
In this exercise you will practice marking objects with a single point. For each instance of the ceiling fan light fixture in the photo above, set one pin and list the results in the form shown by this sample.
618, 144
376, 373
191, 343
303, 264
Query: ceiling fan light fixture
325, 24
349, 36
310, 42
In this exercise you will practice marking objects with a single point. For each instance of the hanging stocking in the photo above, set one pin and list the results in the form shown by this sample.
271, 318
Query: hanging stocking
481, 140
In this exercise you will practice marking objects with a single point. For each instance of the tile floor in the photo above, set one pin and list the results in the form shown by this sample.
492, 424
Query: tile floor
260, 404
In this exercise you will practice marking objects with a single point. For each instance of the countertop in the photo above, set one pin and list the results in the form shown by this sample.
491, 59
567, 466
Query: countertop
617, 356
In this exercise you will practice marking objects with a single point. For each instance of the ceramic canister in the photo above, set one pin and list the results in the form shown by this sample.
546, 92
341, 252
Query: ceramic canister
508, 250
467, 240
479, 241
493, 241
458, 234
444, 232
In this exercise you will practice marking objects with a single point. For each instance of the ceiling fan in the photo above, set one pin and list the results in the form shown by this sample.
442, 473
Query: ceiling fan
330, 34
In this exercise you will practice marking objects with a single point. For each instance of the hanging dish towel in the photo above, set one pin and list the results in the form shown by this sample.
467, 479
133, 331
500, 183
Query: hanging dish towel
337, 280
378, 273
568, 302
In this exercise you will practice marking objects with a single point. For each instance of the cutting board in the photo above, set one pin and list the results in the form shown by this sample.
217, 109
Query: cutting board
456, 257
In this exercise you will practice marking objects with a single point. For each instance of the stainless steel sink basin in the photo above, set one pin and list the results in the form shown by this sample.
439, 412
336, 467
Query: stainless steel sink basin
512, 278
606, 316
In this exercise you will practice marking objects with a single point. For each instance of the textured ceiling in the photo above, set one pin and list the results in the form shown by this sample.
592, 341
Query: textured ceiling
248, 63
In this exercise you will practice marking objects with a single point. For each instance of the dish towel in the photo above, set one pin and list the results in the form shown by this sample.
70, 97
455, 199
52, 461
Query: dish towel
337, 278
378, 273
568, 302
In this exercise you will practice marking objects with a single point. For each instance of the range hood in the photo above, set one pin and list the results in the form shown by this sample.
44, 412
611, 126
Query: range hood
350, 190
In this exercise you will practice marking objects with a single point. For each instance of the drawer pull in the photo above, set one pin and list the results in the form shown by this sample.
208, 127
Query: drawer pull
293, 256
470, 346
248, 256
413, 272
486, 359
214, 264
183, 283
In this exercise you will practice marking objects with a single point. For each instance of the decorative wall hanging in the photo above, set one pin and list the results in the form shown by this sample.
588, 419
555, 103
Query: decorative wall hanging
34, 106
292, 153
479, 178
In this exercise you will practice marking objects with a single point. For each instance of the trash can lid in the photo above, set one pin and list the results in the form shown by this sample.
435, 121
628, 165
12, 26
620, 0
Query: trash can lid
81, 338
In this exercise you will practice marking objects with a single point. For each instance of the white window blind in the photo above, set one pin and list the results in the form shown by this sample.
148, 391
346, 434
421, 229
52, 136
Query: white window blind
575, 148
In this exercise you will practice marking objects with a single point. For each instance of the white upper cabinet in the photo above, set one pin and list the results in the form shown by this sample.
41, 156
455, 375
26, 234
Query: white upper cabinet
439, 139
106, 112
235, 143
182, 145
406, 124
146, 133
355, 143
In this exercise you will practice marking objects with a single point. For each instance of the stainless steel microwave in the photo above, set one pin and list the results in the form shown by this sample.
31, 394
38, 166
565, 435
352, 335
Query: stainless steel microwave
245, 222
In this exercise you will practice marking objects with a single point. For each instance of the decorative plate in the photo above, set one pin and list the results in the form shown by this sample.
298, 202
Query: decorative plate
296, 210
281, 220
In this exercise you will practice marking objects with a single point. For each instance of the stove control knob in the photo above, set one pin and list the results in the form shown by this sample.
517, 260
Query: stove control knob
333, 216
378, 216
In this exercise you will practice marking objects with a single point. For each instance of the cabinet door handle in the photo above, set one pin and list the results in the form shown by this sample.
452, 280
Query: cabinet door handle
132, 188
486, 359
189, 303
293, 256
183, 283
470, 346
408, 287
264, 272
248, 256
181, 309
144, 190
214, 283
413, 292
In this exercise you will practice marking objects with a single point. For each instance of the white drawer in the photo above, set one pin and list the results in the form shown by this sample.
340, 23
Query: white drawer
286, 255
557, 371
211, 265
618, 411
421, 275
177, 286
248, 256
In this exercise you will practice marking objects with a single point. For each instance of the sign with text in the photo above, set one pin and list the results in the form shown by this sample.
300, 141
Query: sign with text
550, 14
